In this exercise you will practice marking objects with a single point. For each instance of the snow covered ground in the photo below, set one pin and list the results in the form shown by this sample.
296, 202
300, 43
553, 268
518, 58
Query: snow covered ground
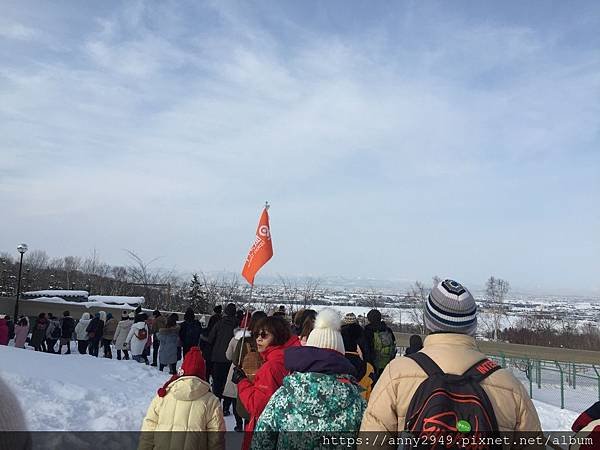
82, 393
79, 392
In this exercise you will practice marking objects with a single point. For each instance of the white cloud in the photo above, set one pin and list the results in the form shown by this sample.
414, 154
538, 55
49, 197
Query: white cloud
18, 32
204, 121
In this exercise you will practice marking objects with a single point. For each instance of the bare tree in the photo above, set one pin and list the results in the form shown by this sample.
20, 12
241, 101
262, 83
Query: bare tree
495, 291
418, 293
141, 273
290, 292
71, 265
372, 298
37, 260
229, 289
56, 264
308, 290
211, 290
119, 273
90, 264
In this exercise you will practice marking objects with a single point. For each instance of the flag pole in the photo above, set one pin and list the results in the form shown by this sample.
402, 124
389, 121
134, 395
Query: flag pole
246, 320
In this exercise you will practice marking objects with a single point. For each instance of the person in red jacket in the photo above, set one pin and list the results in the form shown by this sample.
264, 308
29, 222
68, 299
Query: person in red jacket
273, 336
3, 330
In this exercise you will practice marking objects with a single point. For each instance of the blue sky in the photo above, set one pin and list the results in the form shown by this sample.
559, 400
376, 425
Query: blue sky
393, 139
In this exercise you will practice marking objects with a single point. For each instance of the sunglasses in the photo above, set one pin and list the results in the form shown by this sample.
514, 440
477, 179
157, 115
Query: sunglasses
262, 335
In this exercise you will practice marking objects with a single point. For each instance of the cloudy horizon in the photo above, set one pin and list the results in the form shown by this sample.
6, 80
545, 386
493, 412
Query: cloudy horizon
393, 140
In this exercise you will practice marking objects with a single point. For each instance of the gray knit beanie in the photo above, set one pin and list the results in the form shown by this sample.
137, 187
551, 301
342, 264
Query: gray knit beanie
451, 307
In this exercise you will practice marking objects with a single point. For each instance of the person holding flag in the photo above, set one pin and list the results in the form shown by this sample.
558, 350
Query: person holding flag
272, 335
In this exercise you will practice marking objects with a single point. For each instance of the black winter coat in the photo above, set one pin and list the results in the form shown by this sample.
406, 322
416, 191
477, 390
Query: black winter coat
95, 326
214, 319
189, 334
204, 344
11, 329
68, 327
219, 338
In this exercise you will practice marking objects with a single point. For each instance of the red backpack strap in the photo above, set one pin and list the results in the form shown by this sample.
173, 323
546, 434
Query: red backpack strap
482, 369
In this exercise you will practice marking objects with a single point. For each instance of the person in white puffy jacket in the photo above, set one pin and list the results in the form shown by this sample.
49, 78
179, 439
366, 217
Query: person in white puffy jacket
81, 334
120, 338
185, 414
137, 337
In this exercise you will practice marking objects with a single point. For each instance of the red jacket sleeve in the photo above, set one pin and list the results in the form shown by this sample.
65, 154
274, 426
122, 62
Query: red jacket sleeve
255, 395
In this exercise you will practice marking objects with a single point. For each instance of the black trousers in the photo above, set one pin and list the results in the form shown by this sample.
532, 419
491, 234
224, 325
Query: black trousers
209, 368
155, 345
106, 348
82, 347
220, 370
125, 352
40, 347
172, 368
51, 343
239, 421
94, 347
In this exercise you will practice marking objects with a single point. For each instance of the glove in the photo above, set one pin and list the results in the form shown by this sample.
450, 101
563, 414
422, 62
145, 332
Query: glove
238, 375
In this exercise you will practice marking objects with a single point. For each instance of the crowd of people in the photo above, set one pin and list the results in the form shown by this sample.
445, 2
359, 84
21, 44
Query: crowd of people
293, 382
311, 372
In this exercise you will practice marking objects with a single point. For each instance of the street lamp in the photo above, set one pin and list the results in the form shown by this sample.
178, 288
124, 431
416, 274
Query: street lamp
22, 248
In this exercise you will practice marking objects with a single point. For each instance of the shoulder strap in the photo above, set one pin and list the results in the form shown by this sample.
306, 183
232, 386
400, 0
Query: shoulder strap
426, 363
482, 369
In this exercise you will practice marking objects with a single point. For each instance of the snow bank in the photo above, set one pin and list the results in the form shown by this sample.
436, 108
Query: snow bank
82, 393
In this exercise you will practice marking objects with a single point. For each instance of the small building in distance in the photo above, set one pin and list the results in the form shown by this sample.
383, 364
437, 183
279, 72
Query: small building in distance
76, 302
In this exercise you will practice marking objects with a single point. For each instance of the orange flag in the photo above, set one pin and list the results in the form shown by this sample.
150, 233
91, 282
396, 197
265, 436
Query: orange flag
261, 250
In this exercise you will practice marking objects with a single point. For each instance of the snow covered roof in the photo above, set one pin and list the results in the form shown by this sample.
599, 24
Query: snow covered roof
56, 293
84, 304
116, 299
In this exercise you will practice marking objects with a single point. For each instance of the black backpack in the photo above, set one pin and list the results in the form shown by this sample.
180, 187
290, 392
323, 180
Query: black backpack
56, 332
451, 406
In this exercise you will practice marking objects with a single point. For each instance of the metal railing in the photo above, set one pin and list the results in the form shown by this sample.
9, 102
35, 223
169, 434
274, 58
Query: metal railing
567, 385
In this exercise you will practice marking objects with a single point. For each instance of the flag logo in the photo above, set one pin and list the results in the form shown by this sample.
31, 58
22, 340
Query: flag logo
263, 231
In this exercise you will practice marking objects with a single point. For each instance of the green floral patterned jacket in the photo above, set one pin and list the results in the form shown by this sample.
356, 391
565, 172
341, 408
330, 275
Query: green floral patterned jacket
308, 407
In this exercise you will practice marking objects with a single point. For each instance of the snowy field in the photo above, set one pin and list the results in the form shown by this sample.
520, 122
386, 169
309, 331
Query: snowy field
82, 393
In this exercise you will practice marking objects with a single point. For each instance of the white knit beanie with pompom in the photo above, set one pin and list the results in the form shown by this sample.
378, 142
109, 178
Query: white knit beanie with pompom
326, 333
